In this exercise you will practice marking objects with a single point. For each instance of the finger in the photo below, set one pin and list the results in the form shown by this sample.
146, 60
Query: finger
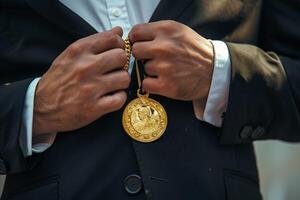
111, 103
117, 30
152, 85
107, 40
151, 68
111, 60
142, 32
114, 81
143, 50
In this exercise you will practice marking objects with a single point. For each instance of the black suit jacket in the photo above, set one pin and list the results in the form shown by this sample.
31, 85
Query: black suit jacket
193, 160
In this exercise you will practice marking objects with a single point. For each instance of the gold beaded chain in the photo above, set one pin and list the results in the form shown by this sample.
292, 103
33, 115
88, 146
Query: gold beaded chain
128, 50
128, 53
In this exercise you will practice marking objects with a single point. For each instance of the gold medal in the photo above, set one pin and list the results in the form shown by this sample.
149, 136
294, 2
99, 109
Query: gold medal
144, 119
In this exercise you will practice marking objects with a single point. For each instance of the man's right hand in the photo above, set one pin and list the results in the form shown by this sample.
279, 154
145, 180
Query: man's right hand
85, 82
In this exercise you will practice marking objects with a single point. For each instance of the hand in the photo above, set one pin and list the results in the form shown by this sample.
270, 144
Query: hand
85, 82
179, 62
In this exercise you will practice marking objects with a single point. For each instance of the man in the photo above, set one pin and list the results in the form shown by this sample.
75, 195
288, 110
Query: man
62, 136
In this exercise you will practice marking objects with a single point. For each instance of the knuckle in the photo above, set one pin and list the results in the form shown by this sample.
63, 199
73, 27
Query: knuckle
103, 62
113, 39
149, 68
122, 56
119, 100
171, 22
88, 63
170, 68
60, 63
119, 29
166, 48
160, 50
126, 78
168, 26
105, 34
79, 70
75, 48
135, 50
136, 30
165, 25
166, 69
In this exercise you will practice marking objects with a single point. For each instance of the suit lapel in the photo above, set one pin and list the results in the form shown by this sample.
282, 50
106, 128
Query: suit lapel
60, 15
169, 9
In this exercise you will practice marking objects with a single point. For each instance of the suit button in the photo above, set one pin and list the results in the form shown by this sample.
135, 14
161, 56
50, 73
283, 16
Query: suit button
258, 133
3, 169
133, 184
246, 132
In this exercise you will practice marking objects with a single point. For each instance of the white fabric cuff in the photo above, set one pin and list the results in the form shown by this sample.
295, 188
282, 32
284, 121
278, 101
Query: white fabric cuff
217, 99
26, 131
40, 148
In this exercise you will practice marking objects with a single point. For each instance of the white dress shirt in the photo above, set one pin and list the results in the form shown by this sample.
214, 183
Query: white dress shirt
105, 14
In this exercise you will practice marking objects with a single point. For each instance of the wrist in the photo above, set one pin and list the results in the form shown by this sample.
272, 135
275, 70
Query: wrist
39, 127
44, 120
206, 50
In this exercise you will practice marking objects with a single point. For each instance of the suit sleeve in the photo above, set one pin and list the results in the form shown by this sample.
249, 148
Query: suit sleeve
12, 98
264, 96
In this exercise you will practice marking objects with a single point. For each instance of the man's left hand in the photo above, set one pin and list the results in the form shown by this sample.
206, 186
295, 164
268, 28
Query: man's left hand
178, 61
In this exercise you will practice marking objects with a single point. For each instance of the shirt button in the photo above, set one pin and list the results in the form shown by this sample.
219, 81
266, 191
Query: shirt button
116, 12
133, 184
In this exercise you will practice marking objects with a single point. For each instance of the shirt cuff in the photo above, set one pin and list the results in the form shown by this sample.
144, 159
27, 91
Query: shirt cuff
217, 100
26, 131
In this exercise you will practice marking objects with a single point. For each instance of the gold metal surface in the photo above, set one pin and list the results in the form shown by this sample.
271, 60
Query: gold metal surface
128, 53
144, 119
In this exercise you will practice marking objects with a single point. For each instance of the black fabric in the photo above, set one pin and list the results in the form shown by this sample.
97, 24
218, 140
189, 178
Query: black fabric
265, 85
188, 162
12, 97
